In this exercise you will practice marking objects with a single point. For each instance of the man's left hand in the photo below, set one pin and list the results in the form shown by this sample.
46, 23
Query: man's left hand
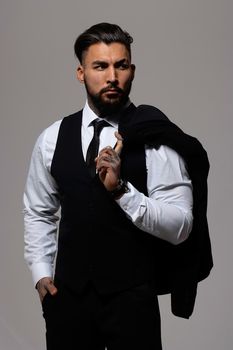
108, 164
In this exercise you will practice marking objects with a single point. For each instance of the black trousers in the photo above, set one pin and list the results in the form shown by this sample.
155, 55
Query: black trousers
129, 320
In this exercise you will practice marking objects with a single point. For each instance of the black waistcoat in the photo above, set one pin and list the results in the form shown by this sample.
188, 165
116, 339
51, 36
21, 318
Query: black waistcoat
97, 241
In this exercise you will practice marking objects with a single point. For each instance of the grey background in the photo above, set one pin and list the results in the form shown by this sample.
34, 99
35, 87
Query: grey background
183, 51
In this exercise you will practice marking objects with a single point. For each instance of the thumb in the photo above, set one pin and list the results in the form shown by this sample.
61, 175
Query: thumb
50, 287
119, 145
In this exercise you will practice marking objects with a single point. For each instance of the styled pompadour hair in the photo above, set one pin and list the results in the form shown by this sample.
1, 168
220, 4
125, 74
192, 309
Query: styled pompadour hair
102, 32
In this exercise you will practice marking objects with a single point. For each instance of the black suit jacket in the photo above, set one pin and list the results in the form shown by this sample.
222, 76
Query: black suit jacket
192, 260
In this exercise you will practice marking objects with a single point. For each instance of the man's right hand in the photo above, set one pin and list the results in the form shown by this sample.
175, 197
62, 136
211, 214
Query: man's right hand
45, 285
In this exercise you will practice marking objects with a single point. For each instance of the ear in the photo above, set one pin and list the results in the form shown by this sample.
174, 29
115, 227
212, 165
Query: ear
80, 73
133, 68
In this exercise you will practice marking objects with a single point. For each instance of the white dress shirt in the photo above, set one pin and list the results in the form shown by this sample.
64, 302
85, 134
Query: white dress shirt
166, 213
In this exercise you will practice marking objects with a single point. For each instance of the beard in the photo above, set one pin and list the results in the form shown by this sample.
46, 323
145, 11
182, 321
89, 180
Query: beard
108, 105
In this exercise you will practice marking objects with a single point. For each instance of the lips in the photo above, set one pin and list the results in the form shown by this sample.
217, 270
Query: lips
112, 90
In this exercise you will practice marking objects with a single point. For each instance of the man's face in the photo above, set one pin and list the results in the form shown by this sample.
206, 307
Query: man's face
107, 73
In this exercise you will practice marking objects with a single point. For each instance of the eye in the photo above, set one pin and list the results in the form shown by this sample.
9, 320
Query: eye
124, 66
100, 66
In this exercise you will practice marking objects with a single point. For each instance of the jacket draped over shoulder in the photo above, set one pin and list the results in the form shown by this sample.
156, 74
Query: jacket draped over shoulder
191, 260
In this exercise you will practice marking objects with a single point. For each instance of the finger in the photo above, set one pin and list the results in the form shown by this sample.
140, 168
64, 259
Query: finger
119, 145
103, 164
50, 287
107, 150
102, 171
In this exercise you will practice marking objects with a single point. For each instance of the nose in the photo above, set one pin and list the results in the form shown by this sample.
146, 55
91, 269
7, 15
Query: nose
112, 75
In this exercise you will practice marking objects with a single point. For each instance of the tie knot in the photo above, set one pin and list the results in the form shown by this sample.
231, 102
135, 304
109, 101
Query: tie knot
99, 125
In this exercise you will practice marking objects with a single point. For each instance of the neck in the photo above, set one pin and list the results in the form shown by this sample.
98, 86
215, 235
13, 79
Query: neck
93, 107
108, 114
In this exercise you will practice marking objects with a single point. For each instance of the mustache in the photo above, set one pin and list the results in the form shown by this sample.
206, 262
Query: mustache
110, 87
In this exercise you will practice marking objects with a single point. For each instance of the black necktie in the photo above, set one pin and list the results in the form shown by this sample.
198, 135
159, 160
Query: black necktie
93, 148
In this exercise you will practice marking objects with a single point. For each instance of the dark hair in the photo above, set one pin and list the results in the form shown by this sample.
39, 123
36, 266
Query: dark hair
102, 32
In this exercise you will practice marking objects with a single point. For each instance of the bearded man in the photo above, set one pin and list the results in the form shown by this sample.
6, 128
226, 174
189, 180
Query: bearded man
125, 178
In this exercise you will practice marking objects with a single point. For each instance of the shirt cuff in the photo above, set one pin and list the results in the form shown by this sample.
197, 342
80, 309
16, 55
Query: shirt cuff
131, 201
40, 270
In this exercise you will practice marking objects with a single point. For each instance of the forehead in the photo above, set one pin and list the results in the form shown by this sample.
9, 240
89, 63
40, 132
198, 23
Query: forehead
106, 52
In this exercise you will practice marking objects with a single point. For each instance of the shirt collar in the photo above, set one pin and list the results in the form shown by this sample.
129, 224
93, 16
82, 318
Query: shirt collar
89, 115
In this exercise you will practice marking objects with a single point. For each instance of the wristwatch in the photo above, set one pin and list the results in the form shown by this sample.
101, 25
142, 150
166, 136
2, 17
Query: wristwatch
120, 189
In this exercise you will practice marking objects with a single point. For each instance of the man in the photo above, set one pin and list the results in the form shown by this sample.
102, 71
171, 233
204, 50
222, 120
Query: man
133, 219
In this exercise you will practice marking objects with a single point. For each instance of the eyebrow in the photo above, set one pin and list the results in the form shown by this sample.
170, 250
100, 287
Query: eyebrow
123, 60
98, 62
